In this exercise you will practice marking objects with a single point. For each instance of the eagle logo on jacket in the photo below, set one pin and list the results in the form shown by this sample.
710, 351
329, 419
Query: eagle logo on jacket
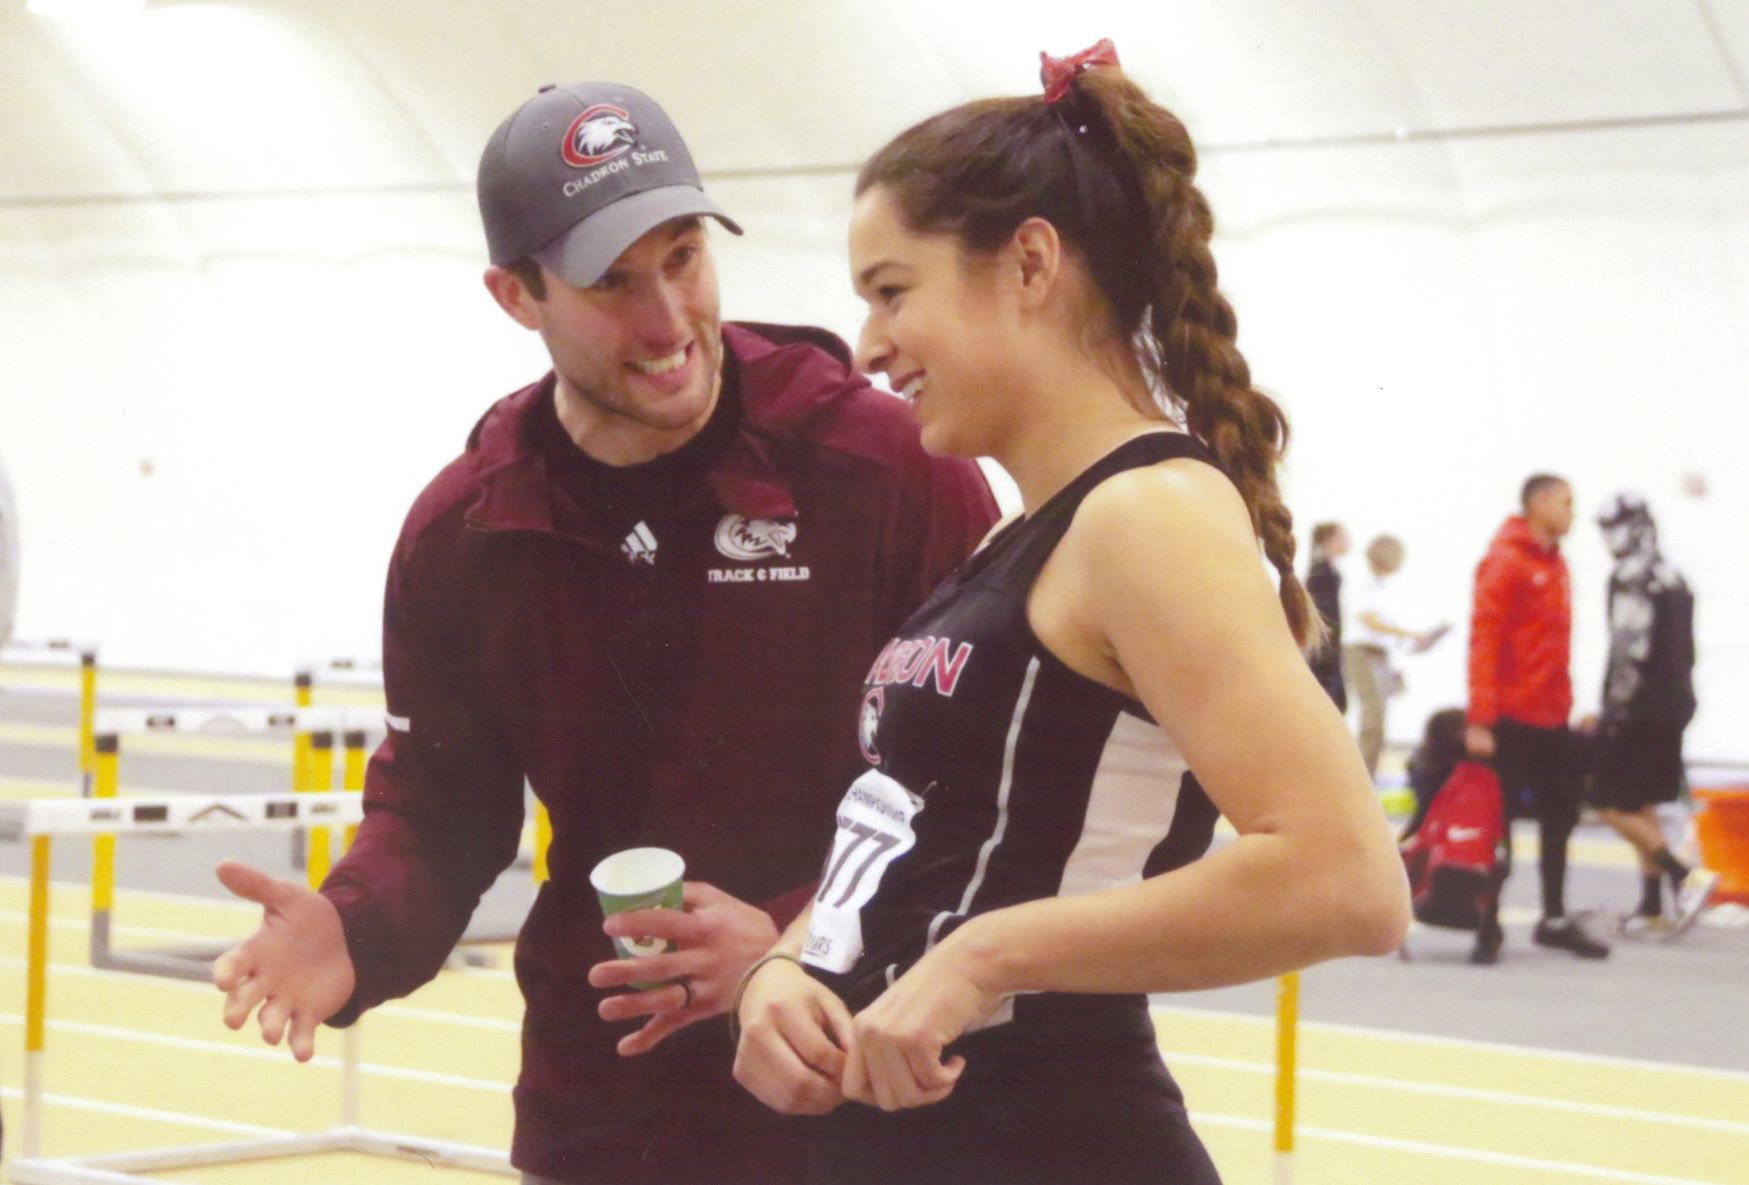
749, 539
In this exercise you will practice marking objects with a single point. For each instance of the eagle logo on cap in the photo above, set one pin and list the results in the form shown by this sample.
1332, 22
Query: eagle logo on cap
599, 134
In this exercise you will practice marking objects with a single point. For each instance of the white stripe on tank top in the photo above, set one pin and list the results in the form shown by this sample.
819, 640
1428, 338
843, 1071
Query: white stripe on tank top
1002, 793
1129, 808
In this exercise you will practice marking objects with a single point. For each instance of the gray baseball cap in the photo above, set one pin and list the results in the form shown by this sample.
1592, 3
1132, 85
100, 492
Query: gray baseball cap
579, 173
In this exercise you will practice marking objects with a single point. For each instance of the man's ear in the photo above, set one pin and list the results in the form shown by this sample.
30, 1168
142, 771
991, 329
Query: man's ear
512, 296
1037, 253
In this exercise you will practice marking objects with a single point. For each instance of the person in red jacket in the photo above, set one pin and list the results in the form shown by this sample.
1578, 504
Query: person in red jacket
649, 588
1521, 695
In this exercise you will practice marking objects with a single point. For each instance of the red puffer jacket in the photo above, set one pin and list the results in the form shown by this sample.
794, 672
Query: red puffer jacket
1521, 632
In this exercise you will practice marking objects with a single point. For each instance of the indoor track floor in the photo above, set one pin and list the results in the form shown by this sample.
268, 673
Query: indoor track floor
1429, 1071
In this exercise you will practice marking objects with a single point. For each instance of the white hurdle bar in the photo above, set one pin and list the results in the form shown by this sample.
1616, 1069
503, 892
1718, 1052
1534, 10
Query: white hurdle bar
56, 651
41, 820
313, 731
237, 720
46, 817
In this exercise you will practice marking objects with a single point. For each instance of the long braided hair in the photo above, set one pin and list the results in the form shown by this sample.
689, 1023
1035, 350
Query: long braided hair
1114, 173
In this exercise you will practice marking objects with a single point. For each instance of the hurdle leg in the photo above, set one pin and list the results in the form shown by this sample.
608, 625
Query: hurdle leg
319, 769
352, 771
320, 852
303, 695
1287, 1020
36, 993
106, 754
543, 840
87, 720
350, 1056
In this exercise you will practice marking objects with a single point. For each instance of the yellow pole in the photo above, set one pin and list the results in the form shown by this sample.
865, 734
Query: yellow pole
36, 992
87, 719
352, 773
1287, 1020
303, 684
321, 771
107, 754
301, 739
39, 942
543, 839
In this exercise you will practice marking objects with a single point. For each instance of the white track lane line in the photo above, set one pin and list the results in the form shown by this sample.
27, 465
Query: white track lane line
392, 1008
1586, 1172
1738, 1077
265, 1053
22, 884
1410, 1086
74, 1103
126, 929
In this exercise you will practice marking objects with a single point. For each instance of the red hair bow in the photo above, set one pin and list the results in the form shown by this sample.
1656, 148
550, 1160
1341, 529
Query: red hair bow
1058, 74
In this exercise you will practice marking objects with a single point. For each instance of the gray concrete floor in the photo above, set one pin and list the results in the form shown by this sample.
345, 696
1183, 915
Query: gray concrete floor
1684, 1001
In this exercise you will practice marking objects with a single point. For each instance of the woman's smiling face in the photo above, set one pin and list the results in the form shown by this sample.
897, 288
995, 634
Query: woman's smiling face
936, 327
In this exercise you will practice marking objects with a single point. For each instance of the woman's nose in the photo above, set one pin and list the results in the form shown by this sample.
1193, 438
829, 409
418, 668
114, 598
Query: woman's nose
873, 351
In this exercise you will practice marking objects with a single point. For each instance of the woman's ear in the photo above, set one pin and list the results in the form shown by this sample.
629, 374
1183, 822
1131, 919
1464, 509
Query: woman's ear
1037, 253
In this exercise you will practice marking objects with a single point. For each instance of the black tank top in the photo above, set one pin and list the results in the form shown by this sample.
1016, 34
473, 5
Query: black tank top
995, 774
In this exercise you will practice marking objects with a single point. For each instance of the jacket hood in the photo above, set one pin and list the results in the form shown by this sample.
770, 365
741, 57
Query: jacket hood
816, 357
808, 370
1516, 534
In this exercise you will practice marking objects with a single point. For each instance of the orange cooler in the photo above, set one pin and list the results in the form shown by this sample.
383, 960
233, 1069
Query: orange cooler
1721, 828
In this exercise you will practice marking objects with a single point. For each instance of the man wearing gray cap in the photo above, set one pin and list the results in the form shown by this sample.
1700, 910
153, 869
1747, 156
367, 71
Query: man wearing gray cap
650, 587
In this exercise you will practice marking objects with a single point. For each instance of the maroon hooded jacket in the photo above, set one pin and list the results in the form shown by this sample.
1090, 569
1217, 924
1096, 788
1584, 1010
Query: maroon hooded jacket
687, 680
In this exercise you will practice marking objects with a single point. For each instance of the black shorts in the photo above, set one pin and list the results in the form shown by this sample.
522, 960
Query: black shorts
1637, 765
1541, 773
1088, 1104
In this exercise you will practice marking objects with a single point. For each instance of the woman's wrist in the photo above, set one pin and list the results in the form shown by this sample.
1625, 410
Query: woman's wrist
983, 952
753, 968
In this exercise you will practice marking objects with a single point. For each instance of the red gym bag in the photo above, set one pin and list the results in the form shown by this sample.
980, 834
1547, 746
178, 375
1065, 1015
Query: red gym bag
1453, 859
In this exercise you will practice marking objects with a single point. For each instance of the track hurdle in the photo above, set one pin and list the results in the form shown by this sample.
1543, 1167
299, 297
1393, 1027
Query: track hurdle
346, 671
41, 820
313, 728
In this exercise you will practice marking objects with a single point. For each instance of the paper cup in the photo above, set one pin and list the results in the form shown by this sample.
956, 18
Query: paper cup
639, 878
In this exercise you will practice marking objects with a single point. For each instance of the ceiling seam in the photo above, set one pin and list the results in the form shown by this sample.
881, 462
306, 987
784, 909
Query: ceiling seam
1400, 136
1730, 63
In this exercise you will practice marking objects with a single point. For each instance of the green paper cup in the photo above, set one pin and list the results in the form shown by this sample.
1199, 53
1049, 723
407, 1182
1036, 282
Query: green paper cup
639, 878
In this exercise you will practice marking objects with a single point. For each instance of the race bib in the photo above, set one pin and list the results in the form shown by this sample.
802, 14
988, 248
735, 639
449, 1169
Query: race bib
874, 829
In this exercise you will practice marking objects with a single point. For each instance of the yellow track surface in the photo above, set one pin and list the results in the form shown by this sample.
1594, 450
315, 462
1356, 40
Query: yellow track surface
136, 1062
